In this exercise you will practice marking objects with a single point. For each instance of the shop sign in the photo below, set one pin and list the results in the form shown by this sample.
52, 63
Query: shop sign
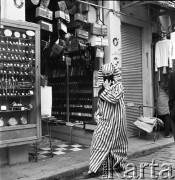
95, 79
68, 61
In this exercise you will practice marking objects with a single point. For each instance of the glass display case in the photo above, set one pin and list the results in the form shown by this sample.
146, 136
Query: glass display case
19, 83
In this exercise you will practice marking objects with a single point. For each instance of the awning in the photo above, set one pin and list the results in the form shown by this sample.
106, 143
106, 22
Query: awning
164, 7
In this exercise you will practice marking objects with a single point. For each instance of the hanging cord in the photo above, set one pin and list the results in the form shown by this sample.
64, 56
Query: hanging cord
103, 23
47, 43
98, 15
103, 11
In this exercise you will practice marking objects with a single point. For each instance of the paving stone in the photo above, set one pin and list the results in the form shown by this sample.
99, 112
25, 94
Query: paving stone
162, 156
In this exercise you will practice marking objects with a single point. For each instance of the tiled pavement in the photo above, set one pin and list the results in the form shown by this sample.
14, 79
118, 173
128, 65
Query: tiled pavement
60, 149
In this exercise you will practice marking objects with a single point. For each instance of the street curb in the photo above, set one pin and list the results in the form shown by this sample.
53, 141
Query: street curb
79, 168
147, 151
68, 172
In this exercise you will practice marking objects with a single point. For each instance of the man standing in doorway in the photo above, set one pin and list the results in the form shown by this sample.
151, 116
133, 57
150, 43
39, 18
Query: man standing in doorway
171, 89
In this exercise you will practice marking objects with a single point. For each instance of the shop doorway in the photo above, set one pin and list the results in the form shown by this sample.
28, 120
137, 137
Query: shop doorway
131, 38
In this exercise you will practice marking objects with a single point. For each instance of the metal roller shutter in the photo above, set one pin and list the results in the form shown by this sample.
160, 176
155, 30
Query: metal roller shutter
132, 72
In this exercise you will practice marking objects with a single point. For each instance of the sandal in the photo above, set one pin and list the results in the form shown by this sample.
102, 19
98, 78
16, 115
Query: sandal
90, 175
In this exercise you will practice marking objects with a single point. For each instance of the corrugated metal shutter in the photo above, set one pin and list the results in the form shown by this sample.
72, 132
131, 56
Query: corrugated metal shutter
132, 72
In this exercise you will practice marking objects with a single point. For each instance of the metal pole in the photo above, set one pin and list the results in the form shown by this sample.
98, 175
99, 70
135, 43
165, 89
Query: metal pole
67, 93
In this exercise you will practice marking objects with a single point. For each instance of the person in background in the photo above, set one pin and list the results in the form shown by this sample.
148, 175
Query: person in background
163, 109
109, 142
171, 90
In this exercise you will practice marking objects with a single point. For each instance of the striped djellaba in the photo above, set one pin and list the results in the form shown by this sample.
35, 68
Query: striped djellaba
110, 134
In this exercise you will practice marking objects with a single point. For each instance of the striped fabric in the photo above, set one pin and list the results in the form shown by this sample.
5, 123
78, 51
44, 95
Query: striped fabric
110, 135
108, 69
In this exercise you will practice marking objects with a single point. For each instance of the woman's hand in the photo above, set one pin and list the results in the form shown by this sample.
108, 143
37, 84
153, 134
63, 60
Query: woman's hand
107, 84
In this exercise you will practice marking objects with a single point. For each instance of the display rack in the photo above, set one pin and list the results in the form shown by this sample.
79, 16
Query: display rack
80, 94
19, 83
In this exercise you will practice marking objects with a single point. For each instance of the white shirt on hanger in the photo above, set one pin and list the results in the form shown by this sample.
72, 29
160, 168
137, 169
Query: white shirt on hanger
163, 54
173, 41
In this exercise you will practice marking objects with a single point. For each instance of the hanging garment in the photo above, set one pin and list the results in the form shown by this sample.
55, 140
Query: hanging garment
163, 54
163, 74
110, 135
173, 40
162, 103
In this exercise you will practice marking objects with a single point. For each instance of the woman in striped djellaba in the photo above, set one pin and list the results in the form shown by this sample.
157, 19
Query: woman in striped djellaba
109, 142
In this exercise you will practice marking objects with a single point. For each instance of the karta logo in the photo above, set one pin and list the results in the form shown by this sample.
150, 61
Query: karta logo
143, 171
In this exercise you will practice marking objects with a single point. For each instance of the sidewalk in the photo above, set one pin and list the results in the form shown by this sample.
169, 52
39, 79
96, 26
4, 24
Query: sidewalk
75, 162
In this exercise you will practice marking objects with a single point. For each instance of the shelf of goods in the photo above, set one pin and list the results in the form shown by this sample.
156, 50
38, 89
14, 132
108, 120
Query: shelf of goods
80, 90
19, 83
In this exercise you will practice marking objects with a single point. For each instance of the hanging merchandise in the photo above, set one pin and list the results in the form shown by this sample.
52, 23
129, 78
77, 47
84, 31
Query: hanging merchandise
57, 48
163, 54
45, 26
80, 18
84, 8
165, 23
162, 102
104, 41
95, 40
35, 2
81, 33
61, 26
62, 12
45, 44
99, 53
43, 12
77, 44
62, 15
98, 29
98, 41
172, 35
62, 6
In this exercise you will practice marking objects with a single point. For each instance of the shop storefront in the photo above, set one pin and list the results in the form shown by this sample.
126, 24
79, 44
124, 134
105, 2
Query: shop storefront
68, 42
150, 19
20, 84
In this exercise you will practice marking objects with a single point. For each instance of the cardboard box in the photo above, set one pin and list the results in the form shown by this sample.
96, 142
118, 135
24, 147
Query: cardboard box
62, 15
46, 26
81, 34
99, 53
104, 42
95, 41
77, 45
44, 13
96, 29
80, 17
61, 26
